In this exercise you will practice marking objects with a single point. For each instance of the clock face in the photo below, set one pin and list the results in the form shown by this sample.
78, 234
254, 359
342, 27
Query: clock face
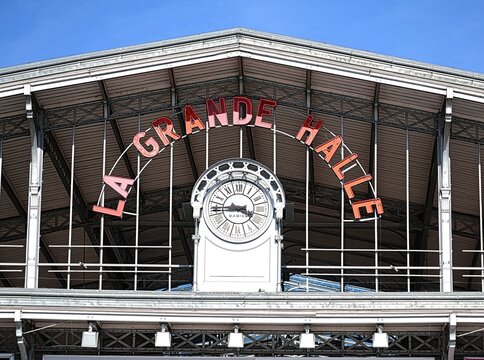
238, 211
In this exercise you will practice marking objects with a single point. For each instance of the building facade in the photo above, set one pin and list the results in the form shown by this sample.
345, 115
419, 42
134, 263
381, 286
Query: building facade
162, 199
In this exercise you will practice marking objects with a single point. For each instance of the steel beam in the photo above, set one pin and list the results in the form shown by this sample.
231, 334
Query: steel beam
373, 139
286, 96
445, 205
312, 181
22, 345
35, 193
452, 337
177, 108
64, 117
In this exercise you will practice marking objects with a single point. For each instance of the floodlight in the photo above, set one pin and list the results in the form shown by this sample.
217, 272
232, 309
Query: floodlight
89, 338
163, 337
236, 338
380, 339
307, 339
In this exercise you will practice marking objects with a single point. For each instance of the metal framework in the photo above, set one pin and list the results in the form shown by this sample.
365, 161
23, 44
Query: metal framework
398, 252
291, 96
261, 343
195, 332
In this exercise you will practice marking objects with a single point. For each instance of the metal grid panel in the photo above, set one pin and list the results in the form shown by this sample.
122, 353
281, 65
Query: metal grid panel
13, 105
11, 255
462, 257
54, 195
206, 71
57, 243
290, 154
274, 72
465, 182
88, 157
322, 172
342, 85
431, 259
420, 162
6, 207
156, 174
223, 143
69, 95
125, 85
468, 109
15, 165
410, 98
391, 165
263, 144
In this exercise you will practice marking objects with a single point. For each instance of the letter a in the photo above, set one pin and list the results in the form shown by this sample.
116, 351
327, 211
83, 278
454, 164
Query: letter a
118, 184
329, 148
192, 120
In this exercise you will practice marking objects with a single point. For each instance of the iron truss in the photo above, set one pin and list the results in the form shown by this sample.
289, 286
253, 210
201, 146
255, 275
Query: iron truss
158, 201
260, 343
286, 95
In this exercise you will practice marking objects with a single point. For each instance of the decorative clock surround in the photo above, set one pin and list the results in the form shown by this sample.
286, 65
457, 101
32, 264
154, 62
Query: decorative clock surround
237, 206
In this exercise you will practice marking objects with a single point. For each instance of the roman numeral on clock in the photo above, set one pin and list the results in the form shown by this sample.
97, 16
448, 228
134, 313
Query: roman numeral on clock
239, 187
257, 198
257, 219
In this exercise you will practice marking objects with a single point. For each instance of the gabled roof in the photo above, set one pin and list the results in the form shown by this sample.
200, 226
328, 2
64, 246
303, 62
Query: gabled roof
315, 56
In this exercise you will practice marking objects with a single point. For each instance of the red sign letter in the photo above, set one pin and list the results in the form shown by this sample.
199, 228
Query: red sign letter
261, 112
329, 148
150, 142
306, 127
167, 131
248, 110
349, 185
213, 111
192, 120
118, 184
368, 205
118, 212
337, 167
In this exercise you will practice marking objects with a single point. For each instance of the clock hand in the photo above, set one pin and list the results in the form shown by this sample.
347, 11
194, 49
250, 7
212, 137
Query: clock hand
233, 207
246, 212
228, 208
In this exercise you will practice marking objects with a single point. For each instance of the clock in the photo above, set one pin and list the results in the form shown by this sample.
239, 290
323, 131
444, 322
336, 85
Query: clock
237, 207
238, 211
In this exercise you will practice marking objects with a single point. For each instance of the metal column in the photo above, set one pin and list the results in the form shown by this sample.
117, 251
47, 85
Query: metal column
35, 192
445, 205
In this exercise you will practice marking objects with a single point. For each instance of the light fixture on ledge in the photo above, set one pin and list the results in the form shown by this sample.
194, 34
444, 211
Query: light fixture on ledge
307, 339
163, 337
236, 338
89, 338
380, 339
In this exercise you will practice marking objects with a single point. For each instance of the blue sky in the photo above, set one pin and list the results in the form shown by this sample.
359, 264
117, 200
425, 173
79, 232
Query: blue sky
442, 32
